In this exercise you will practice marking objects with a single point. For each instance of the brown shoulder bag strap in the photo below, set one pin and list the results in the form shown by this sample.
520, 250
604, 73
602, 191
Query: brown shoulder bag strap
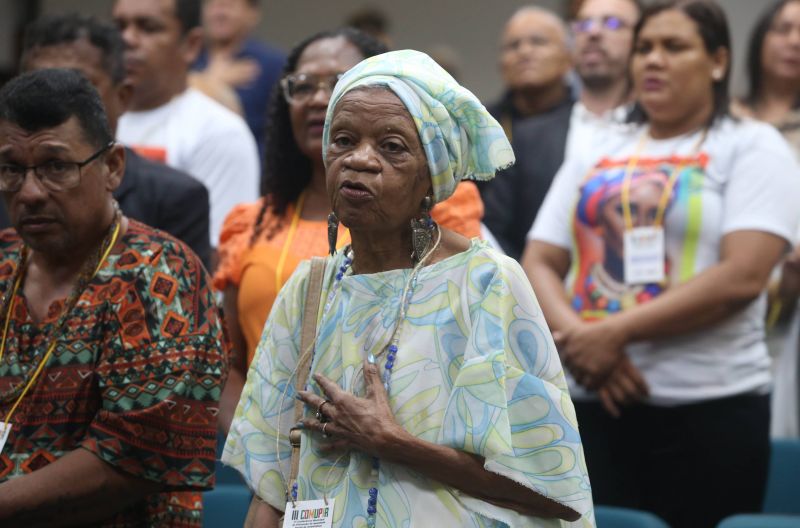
307, 337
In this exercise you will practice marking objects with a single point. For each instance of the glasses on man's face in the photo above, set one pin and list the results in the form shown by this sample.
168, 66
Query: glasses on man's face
56, 175
587, 24
300, 87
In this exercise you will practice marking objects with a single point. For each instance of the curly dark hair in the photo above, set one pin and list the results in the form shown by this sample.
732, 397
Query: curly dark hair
287, 171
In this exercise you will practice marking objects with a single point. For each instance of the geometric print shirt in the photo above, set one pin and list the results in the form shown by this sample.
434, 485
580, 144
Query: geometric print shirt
135, 377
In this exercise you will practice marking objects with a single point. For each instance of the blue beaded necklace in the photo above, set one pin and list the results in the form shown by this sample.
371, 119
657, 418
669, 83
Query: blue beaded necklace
391, 354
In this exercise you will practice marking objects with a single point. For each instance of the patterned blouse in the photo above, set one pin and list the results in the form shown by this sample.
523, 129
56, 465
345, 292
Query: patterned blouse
135, 377
476, 370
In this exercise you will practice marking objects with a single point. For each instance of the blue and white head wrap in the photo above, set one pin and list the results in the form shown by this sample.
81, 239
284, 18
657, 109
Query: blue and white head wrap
460, 138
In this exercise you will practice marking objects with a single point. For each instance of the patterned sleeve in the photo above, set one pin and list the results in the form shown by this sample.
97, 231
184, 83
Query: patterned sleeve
462, 212
161, 372
510, 403
233, 241
267, 402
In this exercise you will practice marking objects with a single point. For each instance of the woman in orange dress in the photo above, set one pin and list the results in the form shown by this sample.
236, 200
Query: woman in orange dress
263, 242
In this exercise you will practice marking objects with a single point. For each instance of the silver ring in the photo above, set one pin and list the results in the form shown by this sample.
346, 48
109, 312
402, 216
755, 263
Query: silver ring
319, 416
323, 430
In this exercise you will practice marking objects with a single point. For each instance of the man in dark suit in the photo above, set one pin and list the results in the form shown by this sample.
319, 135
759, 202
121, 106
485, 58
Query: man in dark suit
603, 38
152, 193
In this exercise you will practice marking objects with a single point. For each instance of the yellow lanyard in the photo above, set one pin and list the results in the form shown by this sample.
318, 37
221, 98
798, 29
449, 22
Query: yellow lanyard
665, 195
54, 343
290, 236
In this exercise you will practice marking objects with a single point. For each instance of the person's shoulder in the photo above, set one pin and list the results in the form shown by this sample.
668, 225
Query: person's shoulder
745, 134
208, 115
263, 52
10, 247
484, 263
165, 180
149, 251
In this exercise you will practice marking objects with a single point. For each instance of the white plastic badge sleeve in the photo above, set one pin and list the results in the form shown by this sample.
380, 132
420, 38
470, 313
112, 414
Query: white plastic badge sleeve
309, 514
644, 255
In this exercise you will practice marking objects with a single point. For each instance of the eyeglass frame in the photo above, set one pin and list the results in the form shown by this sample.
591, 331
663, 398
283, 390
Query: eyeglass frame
320, 84
44, 180
584, 25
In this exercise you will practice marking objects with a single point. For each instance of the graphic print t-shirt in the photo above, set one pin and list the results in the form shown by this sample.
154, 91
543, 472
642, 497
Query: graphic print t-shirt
742, 177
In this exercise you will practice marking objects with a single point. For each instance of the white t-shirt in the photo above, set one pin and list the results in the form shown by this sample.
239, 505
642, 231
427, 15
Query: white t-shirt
587, 128
196, 134
744, 177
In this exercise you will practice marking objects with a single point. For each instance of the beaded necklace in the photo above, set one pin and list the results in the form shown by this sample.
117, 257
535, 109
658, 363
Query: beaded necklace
90, 269
391, 355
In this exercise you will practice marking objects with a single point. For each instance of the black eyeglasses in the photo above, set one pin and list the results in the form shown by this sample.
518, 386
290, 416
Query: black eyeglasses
299, 88
56, 175
611, 23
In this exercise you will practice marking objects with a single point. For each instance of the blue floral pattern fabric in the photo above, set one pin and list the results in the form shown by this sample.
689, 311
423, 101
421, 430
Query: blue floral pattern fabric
476, 370
460, 138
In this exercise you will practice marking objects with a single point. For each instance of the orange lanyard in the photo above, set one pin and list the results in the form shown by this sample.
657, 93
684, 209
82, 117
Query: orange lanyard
664, 200
298, 209
52, 345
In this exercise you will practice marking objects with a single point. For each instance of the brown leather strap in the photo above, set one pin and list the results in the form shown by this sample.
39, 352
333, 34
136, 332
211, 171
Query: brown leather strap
307, 337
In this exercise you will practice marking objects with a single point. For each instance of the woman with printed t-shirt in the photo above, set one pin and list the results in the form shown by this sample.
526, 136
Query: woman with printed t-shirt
653, 283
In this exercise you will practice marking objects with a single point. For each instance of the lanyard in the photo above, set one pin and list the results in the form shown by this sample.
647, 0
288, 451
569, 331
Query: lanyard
298, 209
52, 345
673, 178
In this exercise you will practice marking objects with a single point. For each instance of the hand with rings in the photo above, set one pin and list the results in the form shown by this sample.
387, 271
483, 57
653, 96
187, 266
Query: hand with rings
366, 424
320, 415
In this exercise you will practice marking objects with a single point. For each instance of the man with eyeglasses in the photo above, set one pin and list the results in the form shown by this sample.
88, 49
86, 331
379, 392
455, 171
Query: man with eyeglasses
151, 192
172, 123
112, 350
602, 34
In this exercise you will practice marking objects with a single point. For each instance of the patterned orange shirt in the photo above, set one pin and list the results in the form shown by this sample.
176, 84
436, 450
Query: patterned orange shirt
135, 377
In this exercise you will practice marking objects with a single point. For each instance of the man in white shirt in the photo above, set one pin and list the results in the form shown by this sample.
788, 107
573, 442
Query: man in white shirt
603, 38
172, 123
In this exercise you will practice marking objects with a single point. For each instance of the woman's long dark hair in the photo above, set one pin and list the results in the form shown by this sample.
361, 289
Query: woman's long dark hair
755, 48
287, 171
712, 24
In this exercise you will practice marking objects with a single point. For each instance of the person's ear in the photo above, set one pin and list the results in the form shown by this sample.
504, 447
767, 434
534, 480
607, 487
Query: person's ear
192, 44
719, 64
115, 162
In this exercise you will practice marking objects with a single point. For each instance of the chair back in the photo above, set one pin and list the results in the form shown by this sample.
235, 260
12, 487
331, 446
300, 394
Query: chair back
783, 484
614, 517
226, 505
760, 520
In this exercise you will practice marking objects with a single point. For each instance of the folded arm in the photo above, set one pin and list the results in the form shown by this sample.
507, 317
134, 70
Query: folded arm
77, 489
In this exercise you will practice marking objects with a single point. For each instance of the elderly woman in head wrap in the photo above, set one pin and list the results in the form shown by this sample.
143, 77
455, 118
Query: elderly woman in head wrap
436, 396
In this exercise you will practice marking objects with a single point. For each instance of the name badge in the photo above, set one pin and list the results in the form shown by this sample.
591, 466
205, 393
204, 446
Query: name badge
5, 430
644, 255
309, 514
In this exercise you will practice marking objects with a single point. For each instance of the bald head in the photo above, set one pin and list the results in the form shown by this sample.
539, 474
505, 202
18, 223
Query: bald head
535, 51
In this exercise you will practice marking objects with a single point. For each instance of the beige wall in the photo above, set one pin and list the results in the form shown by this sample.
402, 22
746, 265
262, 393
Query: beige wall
469, 26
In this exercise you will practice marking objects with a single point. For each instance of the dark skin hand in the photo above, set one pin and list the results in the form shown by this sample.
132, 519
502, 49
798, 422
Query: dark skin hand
75, 490
367, 424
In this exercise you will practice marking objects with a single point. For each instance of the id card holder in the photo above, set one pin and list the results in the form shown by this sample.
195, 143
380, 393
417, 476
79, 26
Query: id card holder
5, 430
645, 255
309, 514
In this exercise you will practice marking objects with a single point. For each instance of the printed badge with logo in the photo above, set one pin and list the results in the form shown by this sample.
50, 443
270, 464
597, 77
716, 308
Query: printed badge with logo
309, 514
644, 255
